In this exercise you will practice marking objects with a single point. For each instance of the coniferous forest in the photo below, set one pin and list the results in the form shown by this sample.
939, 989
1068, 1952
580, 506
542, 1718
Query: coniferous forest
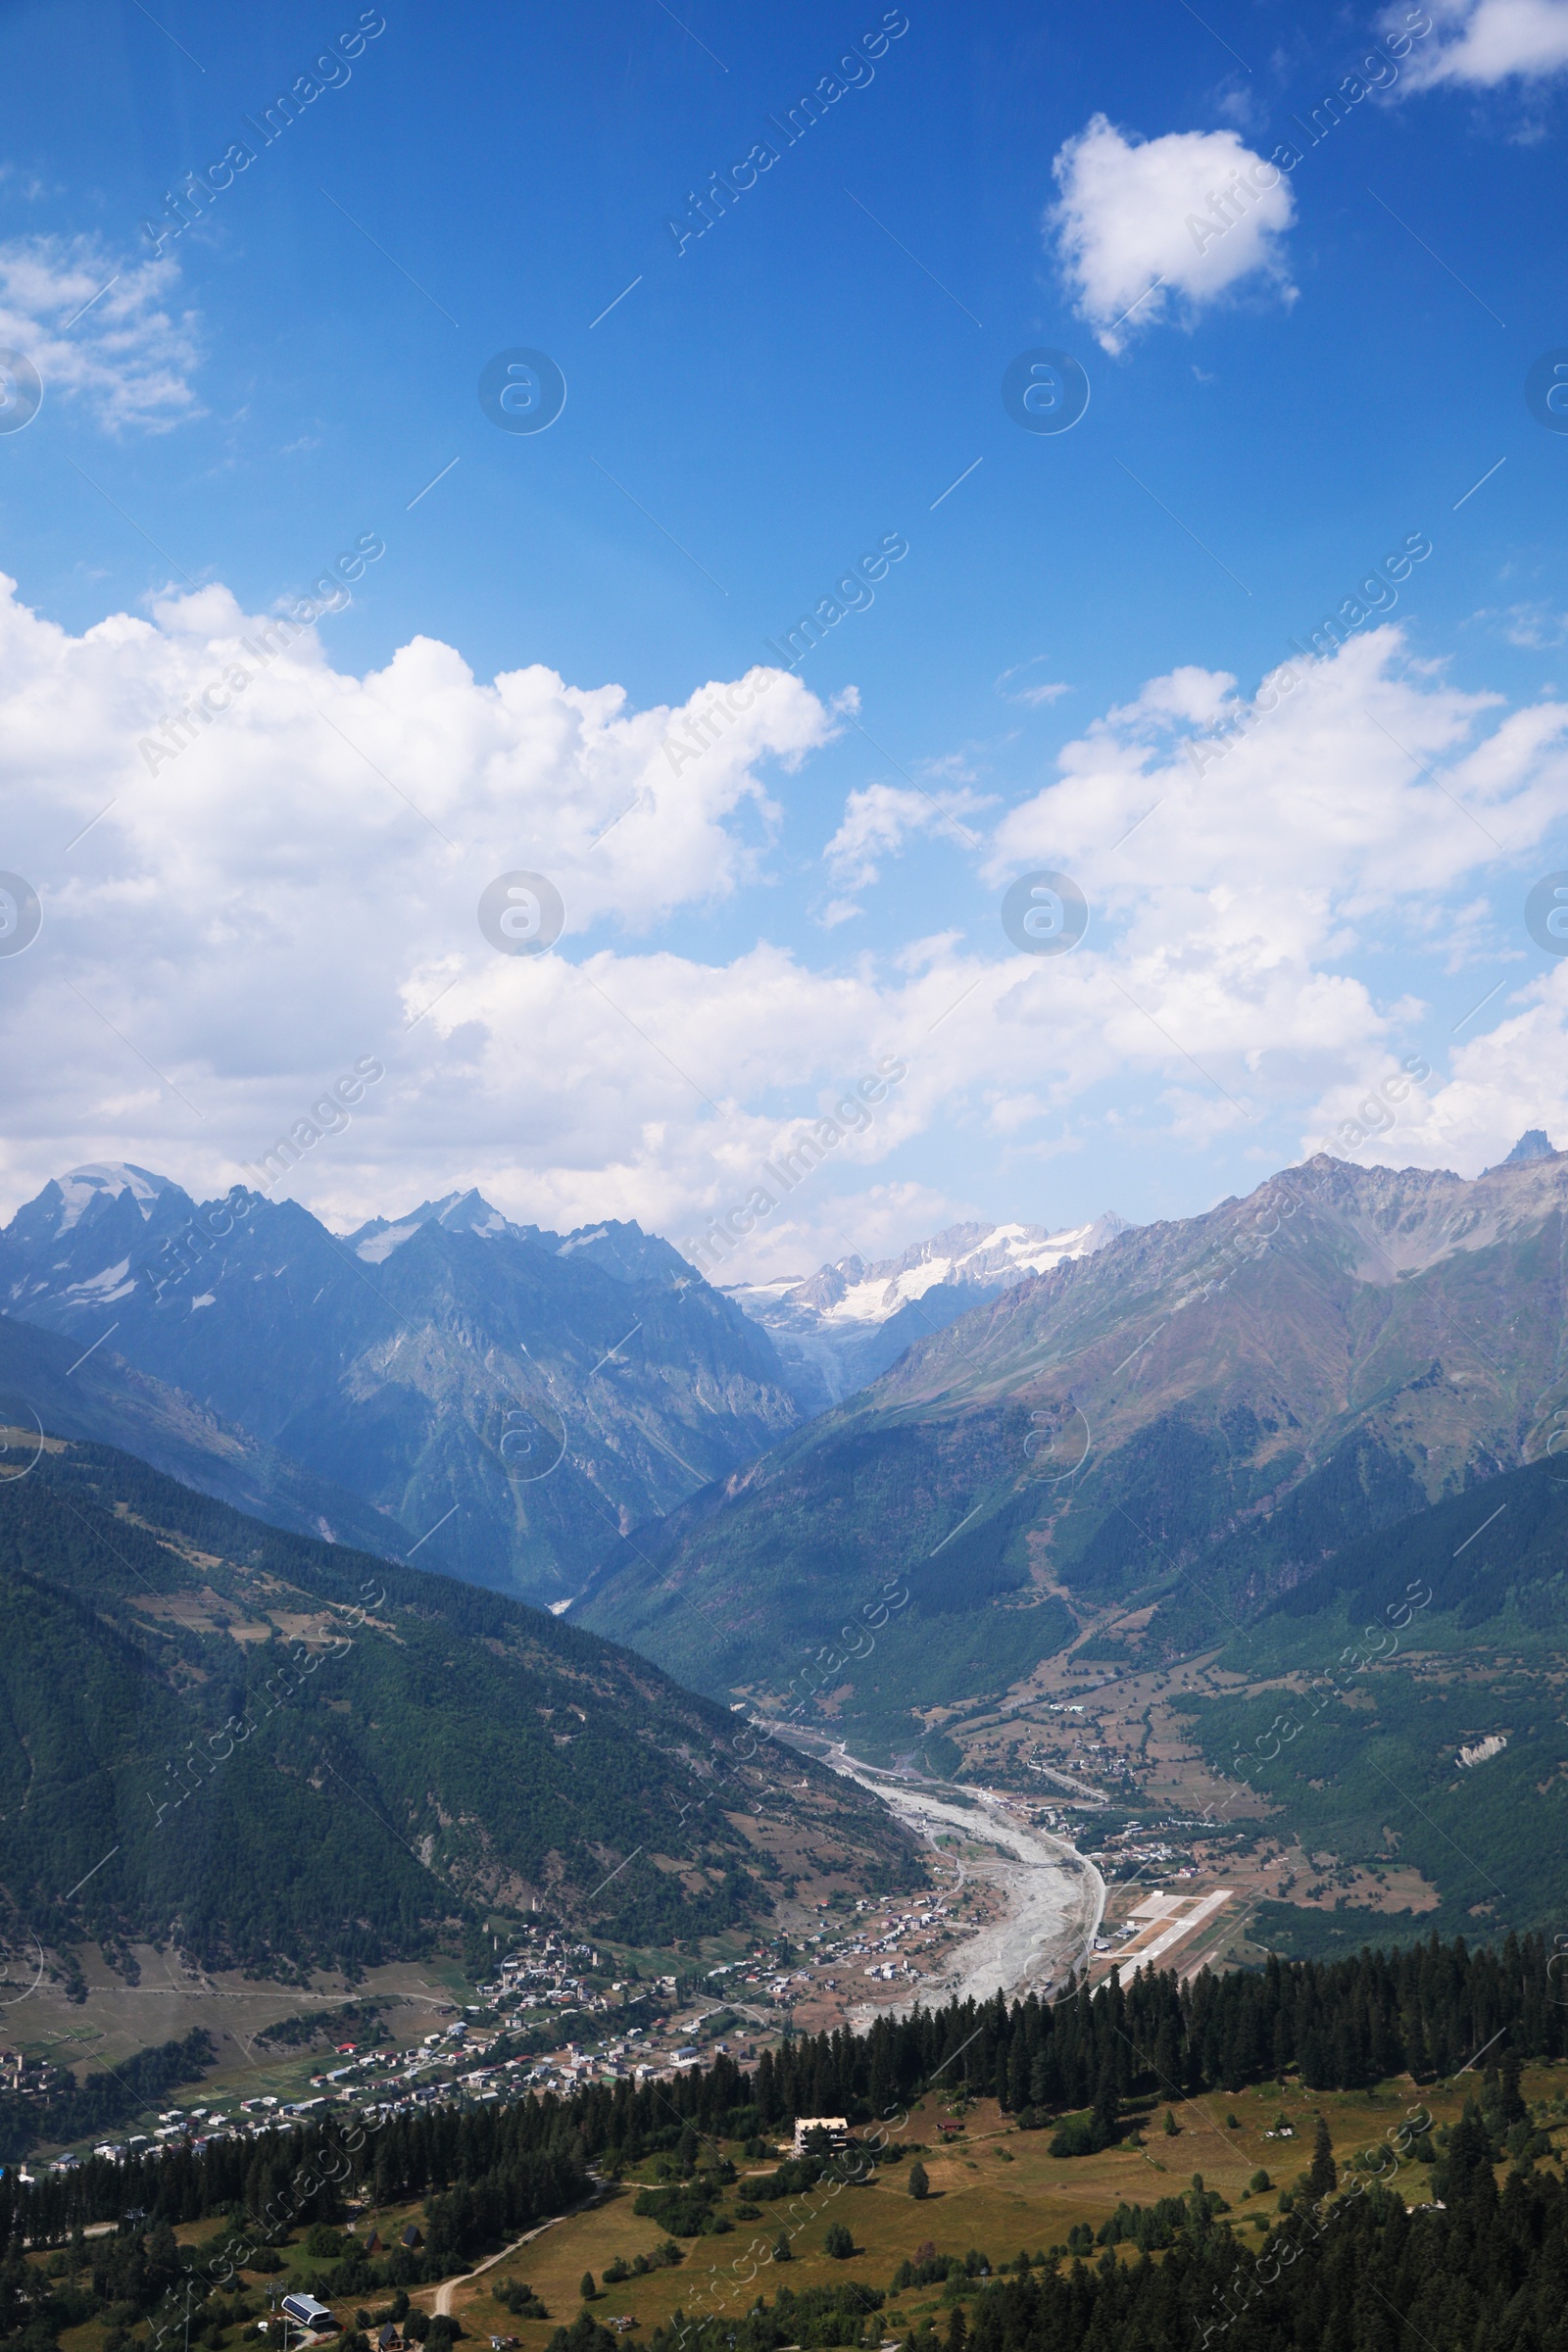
1488, 2265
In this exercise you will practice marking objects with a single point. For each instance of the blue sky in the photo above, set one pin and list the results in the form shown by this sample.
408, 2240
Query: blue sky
1306, 391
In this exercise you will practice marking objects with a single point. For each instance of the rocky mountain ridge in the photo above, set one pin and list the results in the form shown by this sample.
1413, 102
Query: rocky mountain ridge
1197, 1411
509, 1401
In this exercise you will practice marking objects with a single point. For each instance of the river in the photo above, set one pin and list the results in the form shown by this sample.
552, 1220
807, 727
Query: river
1053, 1898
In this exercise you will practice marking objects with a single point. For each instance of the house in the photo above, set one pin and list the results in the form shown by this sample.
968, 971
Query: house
373, 2244
412, 2236
306, 2312
388, 2340
836, 2126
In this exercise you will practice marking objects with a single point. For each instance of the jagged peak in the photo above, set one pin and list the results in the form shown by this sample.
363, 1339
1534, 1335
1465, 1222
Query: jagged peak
66, 1200
1534, 1143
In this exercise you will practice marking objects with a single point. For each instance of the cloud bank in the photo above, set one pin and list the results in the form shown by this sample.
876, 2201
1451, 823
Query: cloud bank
300, 889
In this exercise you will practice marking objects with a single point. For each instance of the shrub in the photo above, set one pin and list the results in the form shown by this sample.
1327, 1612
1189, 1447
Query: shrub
685, 2210
838, 2242
521, 2301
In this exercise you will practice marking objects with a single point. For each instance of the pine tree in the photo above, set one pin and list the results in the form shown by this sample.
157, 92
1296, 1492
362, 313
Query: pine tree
1107, 2110
919, 2180
1322, 2174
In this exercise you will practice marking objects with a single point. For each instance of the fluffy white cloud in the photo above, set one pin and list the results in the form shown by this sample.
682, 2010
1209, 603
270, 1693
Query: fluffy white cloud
1360, 798
298, 890
1485, 42
1510, 1079
123, 354
1146, 228
303, 879
1347, 788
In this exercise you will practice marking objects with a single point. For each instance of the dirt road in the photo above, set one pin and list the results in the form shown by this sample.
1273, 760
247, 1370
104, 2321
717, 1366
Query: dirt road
446, 2293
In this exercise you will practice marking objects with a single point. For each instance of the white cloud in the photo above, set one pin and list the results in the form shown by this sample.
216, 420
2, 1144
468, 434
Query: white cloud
299, 890
1322, 810
1514, 1077
123, 354
1482, 43
878, 819
1191, 216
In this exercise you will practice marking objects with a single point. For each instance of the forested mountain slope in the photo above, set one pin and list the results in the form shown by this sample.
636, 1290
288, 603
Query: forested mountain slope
272, 1750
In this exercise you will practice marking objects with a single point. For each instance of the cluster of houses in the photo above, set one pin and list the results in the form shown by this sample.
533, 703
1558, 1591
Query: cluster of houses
29, 2078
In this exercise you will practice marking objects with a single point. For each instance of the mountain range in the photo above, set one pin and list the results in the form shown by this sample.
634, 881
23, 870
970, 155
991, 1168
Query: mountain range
837, 1330
502, 1399
1184, 1436
1197, 1412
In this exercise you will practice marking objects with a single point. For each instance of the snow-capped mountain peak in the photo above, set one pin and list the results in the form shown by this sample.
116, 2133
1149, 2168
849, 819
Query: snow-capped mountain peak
850, 1320
66, 1199
456, 1212
987, 1255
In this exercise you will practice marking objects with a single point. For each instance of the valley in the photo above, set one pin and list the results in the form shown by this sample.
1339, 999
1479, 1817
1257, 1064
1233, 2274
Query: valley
783, 1417
1025, 1757
1040, 1903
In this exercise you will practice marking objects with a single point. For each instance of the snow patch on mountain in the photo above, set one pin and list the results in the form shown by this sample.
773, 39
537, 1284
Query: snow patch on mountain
87, 1187
849, 1321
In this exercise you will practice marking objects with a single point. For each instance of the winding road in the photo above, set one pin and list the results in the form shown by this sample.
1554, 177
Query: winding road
446, 2292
